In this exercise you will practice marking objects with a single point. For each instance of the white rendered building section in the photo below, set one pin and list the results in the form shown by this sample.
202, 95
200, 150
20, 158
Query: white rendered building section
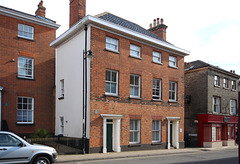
69, 67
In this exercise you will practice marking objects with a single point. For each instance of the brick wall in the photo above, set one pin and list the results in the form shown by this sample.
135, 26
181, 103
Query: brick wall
40, 88
123, 105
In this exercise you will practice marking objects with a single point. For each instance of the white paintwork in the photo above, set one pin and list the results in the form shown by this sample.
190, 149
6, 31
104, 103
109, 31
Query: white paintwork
69, 66
102, 23
175, 131
228, 142
116, 131
27, 17
1, 88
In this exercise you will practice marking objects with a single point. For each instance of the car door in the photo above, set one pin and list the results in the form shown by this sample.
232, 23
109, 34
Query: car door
12, 150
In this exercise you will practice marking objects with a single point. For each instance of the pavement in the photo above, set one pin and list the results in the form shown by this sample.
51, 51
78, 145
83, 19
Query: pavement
129, 154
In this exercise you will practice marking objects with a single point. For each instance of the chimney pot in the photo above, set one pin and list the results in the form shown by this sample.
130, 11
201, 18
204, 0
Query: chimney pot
150, 25
154, 22
157, 21
161, 20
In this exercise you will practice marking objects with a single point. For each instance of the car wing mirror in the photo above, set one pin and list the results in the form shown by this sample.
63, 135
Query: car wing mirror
21, 144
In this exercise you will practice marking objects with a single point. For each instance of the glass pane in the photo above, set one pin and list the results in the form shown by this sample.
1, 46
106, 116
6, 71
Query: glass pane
132, 79
131, 90
136, 80
108, 87
135, 136
136, 92
132, 124
113, 88
108, 76
131, 136
114, 76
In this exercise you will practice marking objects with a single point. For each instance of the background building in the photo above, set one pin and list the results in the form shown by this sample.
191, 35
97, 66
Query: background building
27, 65
211, 102
135, 84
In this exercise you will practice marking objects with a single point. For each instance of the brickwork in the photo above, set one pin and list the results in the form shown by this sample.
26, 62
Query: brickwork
145, 108
77, 11
40, 88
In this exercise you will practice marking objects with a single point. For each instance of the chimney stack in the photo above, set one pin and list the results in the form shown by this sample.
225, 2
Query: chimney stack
77, 11
158, 28
41, 9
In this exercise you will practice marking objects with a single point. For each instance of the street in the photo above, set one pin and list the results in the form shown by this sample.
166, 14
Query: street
229, 156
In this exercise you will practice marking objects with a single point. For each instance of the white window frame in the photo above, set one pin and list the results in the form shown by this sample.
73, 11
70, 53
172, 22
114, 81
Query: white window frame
157, 57
174, 91
157, 89
216, 80
225, 83
25, 31
62, 88
111, 44
134, 86
233, 107
111, 83
135, 49
216, 104
173, 61
27, 110
155, 130
234, 87
25, 67
134, 130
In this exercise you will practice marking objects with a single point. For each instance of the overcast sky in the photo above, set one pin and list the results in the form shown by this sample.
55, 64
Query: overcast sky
209, 29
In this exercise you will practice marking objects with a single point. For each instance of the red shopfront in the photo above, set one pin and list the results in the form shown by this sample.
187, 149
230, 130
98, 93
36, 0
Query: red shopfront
216, 130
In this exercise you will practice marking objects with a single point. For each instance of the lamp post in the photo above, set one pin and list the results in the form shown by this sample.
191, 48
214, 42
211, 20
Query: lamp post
87, 54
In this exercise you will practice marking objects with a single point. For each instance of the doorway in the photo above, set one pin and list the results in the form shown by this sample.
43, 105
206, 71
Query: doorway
109, 135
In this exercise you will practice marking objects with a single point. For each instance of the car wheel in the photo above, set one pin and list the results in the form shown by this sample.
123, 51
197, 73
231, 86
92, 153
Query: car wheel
41, 160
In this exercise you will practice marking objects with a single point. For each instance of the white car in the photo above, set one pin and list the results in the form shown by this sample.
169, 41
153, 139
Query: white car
13, 149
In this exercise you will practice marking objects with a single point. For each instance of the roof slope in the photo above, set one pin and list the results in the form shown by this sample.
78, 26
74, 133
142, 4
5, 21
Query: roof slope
127, 24
200, 64
28, 17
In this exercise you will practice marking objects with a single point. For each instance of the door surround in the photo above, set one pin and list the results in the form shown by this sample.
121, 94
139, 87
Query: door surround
116, 131
175, 131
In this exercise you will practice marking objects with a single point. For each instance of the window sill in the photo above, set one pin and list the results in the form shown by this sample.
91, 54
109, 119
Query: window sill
157, 63
217, 86
24, 123
117, 52
110, 95
20, 37
156, 143
172, 67
233, 90
172, 101
225, 88
139, 58
24, 78
159, 100
60, 98
137, 98
134, 145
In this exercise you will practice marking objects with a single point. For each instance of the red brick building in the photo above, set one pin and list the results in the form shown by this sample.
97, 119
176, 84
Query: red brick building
135, 84
27, 65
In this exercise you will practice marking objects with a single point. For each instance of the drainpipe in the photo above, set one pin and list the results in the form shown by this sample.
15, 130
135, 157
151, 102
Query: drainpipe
1, 88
